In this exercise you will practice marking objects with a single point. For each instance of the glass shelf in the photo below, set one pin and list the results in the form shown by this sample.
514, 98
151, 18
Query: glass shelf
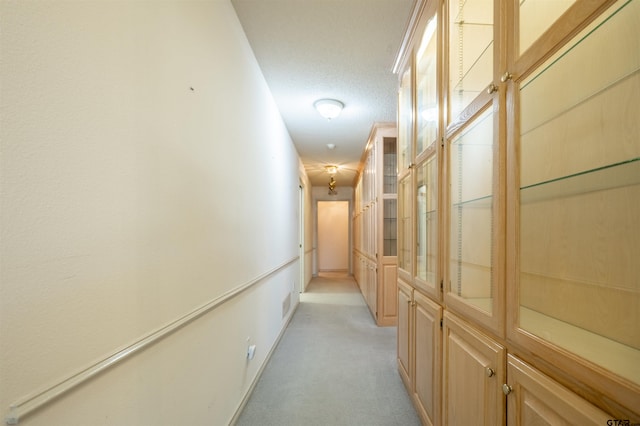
555, 126
603, 178
480, 202
579, 251
614, 356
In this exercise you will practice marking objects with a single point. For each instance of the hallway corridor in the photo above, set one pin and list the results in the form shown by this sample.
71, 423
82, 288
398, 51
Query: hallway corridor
333, 366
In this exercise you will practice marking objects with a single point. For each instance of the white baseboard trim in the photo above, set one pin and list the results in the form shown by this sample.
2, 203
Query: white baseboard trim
247, 395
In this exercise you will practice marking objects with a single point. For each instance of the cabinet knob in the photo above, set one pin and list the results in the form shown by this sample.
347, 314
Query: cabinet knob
506, 77
506, 389
492, 89
490, 372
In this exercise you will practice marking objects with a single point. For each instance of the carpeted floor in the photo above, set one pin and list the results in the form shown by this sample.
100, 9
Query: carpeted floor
333, 366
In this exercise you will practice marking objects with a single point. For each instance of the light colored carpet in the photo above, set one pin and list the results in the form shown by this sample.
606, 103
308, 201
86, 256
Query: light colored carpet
333, 366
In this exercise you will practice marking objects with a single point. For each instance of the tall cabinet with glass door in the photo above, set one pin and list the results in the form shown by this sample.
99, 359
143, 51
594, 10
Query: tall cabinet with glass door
519, 211
375, 225
473, 237
420, 271
575, 192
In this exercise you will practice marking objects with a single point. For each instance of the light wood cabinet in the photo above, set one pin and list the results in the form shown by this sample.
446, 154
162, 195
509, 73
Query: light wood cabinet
365, 275
419, 351
405, 333
519, 207
474, 371
576, 292
427, 371
375, 225
533, 399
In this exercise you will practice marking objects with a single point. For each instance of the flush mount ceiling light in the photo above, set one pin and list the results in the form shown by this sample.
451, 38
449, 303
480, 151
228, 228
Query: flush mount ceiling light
332, 170
328, 108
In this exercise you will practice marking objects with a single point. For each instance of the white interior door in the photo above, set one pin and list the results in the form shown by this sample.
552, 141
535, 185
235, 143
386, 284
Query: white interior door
333, 236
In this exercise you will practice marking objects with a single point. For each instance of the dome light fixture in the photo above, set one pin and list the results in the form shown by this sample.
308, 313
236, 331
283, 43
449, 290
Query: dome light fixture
331, 169
328, 108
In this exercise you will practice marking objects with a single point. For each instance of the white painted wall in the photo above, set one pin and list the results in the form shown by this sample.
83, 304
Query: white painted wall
145, 171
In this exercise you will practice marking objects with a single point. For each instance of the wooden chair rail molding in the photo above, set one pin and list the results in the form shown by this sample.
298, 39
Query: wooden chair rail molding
39, 398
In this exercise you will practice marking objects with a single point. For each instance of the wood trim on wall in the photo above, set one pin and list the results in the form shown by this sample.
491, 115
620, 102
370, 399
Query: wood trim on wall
39, 398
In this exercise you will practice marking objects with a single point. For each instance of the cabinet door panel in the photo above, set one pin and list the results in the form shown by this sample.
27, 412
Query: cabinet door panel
372, 289
428, 338
473, 375
536, 400
404, 330
388, 302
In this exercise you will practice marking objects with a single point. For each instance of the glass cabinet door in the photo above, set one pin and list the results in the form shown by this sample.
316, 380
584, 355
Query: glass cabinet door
389, 202
389, 166
579, 215
405, 123
426, 88
390, 227
471, 277
405, 225
426, 234
470, 51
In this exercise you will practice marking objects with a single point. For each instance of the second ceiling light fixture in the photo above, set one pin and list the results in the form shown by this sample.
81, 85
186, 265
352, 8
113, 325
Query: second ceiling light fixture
328, 108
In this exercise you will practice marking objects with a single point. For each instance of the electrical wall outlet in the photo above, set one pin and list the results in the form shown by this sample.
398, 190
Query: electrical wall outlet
251, 352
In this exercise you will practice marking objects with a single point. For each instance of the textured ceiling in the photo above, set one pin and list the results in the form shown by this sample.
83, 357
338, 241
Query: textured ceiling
341, 49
